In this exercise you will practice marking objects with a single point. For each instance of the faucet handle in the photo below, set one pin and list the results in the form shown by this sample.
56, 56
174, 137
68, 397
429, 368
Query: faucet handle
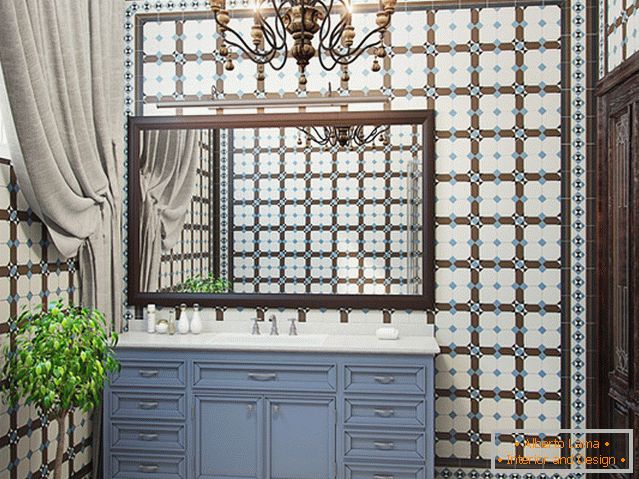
256, 327
273, 320
293, 330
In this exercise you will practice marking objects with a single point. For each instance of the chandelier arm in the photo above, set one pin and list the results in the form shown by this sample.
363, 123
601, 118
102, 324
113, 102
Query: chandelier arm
361, 47
378, 130
279, 32
255, 56
335, 38
320, 140
279, 23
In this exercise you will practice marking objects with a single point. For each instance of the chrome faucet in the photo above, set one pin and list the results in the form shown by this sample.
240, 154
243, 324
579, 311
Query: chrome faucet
256, 327
293, 329
273, 320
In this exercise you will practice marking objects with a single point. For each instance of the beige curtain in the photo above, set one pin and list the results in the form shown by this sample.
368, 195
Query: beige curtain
62, 62
168, 165
62, 65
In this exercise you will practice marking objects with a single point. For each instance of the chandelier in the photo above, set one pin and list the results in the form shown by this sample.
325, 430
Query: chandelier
344, 136
273, 20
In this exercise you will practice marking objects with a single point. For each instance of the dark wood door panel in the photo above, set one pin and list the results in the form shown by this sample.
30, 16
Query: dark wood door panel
616, 266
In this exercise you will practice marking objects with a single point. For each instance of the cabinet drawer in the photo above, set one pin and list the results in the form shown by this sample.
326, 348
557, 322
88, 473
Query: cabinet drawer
149, 436
141, 373
387, 471
379, 379
156, 405
384, 445
296, 377
124, 466
387, 411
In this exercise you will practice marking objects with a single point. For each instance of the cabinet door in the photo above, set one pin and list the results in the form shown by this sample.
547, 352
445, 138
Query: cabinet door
300, 438
228, 437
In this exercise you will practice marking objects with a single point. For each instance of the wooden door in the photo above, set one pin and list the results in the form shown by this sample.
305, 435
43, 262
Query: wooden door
616, 298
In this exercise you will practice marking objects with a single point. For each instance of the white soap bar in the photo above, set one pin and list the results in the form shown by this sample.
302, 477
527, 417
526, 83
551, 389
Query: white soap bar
387, 333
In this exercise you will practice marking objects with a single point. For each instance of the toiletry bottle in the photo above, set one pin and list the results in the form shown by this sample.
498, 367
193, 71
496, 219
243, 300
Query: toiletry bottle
150, 318
172, 321
162, 326
183, 321
196, 320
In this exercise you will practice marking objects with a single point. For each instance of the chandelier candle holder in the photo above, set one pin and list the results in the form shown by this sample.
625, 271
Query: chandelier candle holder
348, 136
275, 20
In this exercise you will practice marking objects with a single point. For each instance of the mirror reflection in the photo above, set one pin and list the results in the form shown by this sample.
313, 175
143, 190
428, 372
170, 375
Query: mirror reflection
296, 210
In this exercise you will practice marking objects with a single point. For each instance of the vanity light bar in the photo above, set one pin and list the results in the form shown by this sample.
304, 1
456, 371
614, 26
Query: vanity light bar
275, 102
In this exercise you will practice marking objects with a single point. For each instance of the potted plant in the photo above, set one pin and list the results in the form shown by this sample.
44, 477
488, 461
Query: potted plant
60, 360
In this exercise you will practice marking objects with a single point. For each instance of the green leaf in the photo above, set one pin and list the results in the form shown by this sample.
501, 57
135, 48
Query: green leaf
61, 359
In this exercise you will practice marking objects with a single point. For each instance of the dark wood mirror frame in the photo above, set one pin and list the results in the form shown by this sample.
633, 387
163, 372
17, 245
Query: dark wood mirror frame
424, 301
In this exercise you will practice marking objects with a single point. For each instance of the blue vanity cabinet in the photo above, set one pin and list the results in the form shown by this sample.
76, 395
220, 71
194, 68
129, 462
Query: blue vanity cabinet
197, 414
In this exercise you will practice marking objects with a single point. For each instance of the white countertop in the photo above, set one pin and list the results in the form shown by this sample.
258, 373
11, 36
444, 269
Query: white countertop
359, 339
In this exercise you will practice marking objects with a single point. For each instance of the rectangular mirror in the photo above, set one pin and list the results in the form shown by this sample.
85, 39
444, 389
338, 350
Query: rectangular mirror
290, 210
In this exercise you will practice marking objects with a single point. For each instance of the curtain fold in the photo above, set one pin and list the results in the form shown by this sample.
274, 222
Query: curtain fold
168, 166
62, 66
63, 71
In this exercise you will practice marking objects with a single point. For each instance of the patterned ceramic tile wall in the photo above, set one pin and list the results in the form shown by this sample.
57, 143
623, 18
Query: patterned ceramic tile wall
193, 254
510, 192
31, 274
297, 208
619, 32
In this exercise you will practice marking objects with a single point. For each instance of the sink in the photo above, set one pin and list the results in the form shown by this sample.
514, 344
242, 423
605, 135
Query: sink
267, 340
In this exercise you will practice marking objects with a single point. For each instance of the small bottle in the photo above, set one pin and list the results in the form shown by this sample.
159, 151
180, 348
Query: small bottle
196, 320
172, 321
150, 318
162, 327
183, 321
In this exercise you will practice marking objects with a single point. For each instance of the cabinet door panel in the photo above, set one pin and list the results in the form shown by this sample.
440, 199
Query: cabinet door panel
301, 436
228, 438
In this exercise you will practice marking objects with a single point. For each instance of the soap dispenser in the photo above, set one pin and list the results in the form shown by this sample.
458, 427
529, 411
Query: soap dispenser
183, 322
150, 318
196, 321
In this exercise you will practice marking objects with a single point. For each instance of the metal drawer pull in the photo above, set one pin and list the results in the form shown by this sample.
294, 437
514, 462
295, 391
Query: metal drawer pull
148, 373
383, 476
262, 376
148, 405
385, 379
384, 412
143, 468
384, 445
147, 437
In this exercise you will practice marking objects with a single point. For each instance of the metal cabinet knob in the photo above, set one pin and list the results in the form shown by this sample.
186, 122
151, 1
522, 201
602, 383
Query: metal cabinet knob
147, 436
148, 405
384, 445
146, 468
262, 376
250, 408
385, 379
384, 412
148, 373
